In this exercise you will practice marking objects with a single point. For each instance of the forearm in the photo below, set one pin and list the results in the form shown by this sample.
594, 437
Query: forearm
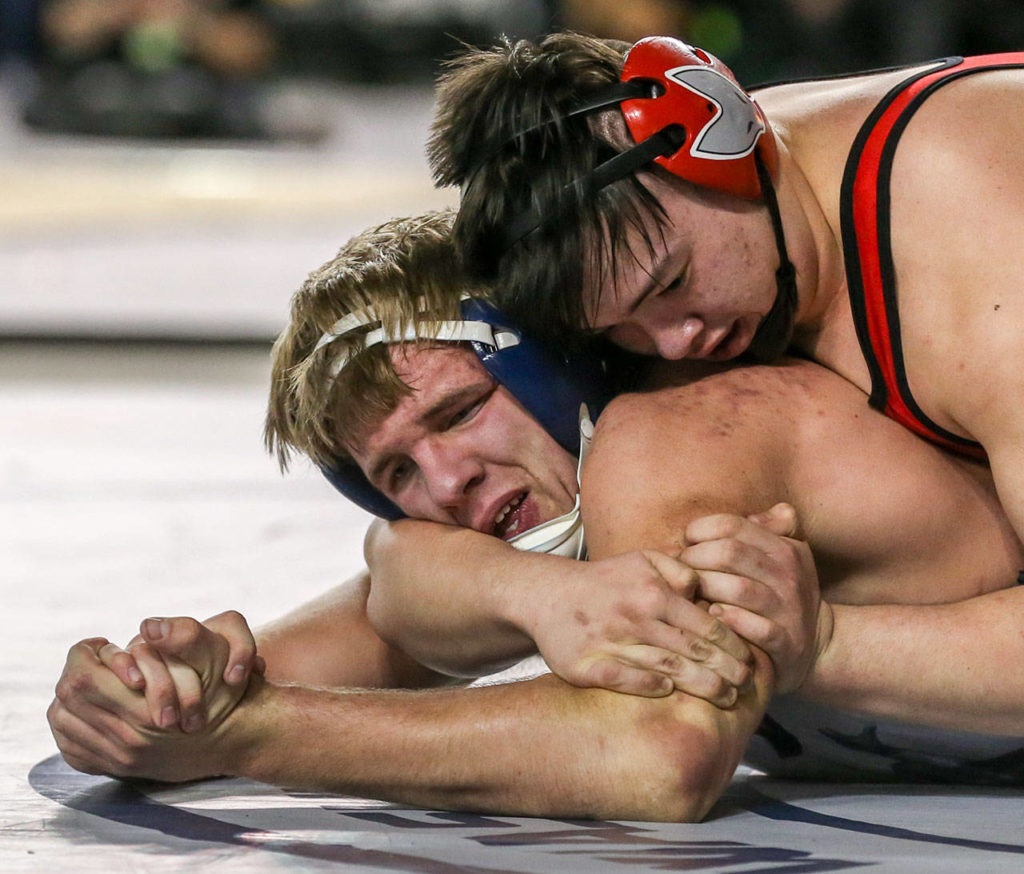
538, 748
453, 598
954, 666
329, 642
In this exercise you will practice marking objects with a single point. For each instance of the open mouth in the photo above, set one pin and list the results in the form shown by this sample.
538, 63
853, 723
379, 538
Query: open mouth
508, 522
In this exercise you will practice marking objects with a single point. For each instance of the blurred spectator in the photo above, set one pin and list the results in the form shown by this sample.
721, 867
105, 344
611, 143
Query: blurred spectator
176, 68
18, 29
770, 39
173, 68
151, 67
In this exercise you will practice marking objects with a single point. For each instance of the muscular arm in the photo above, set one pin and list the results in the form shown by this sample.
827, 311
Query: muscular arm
948, 665
640, 491
329, 642
536, 748
467, 604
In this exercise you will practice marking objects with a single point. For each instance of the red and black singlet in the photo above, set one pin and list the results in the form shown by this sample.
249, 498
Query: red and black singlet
870, 274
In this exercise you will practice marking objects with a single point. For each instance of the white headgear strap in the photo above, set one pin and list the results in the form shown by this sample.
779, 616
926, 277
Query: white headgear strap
443, 331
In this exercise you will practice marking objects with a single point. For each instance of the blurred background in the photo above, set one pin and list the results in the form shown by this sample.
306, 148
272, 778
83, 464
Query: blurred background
170, 170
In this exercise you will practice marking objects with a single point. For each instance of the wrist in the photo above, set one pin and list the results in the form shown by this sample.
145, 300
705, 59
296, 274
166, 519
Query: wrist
826, 668
240, 741
537, 593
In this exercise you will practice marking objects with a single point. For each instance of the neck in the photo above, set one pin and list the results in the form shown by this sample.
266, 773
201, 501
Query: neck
813, 247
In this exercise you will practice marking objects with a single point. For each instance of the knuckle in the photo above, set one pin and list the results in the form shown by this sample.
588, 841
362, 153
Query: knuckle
654, 683
700, 650
731, 550
730, 526
187, 629
606, 674
80, 683
190, 700
670, 664
716, 632
233, 617
717, 687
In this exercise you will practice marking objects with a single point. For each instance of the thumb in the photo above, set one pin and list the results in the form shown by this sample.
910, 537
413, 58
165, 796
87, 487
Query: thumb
188, 640
780, 519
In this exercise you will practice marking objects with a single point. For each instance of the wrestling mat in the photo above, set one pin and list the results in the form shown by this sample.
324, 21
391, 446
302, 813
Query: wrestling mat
761, 825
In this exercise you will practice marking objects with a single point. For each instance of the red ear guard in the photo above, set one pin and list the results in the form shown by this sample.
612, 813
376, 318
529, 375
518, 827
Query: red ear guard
724, 126
687, 113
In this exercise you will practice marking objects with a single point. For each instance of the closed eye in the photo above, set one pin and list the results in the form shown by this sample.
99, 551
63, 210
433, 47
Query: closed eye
466, 412
400, 474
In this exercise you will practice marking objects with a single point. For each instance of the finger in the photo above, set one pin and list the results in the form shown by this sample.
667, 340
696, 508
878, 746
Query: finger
161, 691
188, 640
232, 626
780, 519
685, 675
86, 682
724, 588
690, 619
95, 750
122, 664
681, 577
735, 556
189, 688
611, 674
728, 526
259, 665
761, 632
733, 669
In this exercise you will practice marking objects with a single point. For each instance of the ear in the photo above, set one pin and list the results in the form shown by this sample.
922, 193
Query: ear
610, 127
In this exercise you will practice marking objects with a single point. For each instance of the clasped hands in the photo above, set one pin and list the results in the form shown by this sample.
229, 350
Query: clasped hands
647, 623
157, 708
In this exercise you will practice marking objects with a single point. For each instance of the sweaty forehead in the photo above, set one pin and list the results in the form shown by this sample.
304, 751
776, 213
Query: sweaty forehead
430, 368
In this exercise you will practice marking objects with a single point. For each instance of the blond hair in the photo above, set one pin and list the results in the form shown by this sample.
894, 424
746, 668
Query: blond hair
405, 272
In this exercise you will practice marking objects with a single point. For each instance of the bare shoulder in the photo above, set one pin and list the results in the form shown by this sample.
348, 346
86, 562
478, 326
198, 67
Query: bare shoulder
957, 211
691, 446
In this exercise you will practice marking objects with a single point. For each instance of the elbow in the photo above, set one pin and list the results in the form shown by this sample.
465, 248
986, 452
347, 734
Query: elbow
677, 766
694, 773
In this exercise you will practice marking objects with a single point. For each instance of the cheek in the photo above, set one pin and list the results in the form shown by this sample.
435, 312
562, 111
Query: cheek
632, 338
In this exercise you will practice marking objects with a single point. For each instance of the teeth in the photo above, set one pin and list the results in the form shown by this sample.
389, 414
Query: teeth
504, 511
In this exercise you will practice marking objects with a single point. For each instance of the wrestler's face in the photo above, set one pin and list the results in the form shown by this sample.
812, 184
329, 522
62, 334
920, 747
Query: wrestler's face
705, 288
461, 450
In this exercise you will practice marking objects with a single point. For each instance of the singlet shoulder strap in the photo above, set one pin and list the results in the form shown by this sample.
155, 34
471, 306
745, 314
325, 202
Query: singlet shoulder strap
870, 274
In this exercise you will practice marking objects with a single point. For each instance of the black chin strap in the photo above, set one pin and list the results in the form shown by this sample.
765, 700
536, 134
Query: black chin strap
776, 329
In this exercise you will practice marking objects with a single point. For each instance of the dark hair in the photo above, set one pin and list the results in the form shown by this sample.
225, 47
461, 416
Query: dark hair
501, 134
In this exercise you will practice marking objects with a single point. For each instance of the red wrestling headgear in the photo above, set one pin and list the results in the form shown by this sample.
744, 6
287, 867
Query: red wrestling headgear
724, 126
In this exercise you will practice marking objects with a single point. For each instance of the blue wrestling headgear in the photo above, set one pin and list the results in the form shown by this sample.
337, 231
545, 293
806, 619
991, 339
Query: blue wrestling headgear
551, 386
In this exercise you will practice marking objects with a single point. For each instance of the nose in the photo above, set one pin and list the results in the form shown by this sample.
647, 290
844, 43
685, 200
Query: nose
450, 471
671, 340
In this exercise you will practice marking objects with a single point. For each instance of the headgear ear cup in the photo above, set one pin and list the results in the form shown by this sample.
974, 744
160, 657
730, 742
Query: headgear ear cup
724, 126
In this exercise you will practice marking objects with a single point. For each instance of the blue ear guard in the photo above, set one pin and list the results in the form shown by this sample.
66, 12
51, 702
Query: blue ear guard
549, 385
